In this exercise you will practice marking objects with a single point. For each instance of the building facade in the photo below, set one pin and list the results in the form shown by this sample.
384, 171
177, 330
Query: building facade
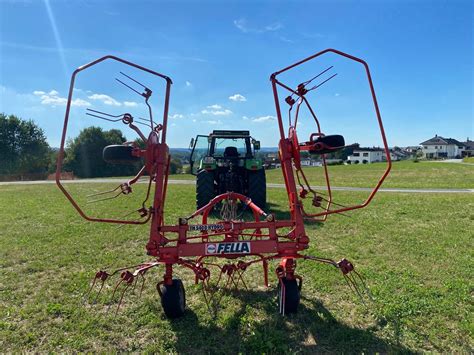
365, 156
439, 147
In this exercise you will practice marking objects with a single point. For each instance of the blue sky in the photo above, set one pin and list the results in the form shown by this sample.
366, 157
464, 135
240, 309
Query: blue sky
220, 55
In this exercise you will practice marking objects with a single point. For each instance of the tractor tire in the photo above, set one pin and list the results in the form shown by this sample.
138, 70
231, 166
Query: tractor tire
173, 299
119, 154
257, 189
204, 188
292, 296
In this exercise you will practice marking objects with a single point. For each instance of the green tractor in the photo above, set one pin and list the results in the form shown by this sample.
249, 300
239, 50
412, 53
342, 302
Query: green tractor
225, 161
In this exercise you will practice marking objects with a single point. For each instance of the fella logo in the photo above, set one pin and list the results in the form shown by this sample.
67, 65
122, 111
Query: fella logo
228, 248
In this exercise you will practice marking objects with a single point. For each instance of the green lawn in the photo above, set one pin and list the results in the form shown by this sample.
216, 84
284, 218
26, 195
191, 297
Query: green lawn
404, 174
415, 252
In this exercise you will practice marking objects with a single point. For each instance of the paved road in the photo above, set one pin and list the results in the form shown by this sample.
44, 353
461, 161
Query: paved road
192, 182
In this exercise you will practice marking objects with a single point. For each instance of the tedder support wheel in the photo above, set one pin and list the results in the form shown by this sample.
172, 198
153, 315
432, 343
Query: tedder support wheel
204, 188
291, 296
173, 299
119, 154
258, 188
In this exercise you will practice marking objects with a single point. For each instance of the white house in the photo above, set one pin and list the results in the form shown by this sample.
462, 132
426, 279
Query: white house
310, 162
439, 147
366, 155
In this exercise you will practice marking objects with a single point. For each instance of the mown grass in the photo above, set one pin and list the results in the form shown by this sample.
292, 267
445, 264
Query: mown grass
468, 160
404, 174
416, 254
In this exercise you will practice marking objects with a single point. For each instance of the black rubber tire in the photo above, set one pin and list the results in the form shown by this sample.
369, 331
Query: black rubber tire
292, 296
333, 141
173, 299
204, 188
257, 189
119, 154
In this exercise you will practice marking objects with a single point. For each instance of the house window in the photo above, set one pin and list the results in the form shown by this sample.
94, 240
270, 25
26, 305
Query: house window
425, 147
460, 147
356, 154
365, 154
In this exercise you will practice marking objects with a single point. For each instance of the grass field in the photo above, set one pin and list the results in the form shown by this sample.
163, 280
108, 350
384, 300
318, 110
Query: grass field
404, 174
415, 251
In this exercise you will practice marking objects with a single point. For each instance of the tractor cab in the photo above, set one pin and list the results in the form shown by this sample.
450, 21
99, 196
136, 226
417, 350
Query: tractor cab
225, 161
221, 148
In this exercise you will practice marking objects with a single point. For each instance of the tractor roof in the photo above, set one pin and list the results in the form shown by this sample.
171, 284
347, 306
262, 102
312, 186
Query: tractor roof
220, 133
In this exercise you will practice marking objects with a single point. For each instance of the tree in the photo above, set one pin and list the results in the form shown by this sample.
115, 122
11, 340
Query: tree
175, 166
23, 146
83, 154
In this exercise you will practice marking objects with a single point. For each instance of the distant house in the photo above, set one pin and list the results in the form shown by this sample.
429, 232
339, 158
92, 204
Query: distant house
398, 154
310, 162
366, 155
469, 148
412, 150
440, 147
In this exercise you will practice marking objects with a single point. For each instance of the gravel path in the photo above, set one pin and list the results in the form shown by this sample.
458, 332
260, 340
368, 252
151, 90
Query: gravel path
192, 182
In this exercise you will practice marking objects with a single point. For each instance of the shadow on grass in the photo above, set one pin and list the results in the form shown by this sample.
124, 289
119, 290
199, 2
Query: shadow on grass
256, 327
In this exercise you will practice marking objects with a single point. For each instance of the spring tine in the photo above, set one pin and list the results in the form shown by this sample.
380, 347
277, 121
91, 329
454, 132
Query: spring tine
113, 294
105, 113
127, 76
321, 73
86, 295
103, 118
143, 119
134, 284
364, 285
320, 84
241, 273
143, 284
356, 289
98, 293
128, 86
105, 199
121, 298
103, 193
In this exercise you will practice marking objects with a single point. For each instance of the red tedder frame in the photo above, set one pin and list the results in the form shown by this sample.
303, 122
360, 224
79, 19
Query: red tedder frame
192, 242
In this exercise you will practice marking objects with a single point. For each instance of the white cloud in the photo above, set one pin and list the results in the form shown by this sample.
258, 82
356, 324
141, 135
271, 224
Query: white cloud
287, 40
237, 97
245, 118
242, 25
130, 103
176, 116
106, 99
80, 102
216, 110
225, 112
53, 99
188, 84
273, 27
214, 122
264, 119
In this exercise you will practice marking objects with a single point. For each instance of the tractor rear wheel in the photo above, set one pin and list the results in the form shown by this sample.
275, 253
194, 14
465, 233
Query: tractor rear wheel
173, 299
288, 303
258, 188
204, 188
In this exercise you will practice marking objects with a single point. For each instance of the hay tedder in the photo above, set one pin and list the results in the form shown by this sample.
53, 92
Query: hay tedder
227, 244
